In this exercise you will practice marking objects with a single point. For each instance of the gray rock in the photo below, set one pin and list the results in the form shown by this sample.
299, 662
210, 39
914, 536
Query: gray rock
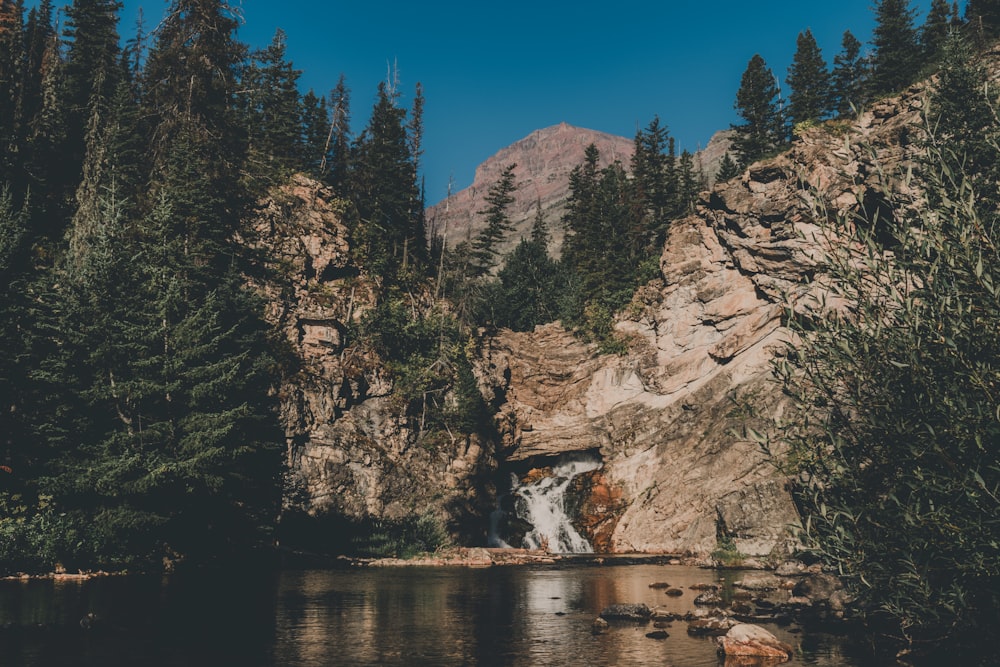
626, 612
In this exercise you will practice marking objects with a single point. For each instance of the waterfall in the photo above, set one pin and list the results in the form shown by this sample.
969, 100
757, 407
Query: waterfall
543, 504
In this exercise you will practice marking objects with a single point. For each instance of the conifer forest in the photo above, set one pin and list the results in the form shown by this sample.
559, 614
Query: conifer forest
140, 421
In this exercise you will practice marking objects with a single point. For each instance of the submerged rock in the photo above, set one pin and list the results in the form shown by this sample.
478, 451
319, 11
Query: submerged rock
627, 612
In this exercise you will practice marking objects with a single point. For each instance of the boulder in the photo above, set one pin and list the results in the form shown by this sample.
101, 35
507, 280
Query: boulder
599, 626
627, 612
708, 599
818, 587
745, 639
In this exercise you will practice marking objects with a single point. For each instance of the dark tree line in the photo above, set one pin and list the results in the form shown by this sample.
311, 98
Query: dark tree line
137, 377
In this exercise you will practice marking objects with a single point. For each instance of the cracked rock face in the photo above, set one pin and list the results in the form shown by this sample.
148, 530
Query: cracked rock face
351, 451
666, 417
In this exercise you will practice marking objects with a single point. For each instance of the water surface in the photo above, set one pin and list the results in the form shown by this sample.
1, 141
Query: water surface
401, 616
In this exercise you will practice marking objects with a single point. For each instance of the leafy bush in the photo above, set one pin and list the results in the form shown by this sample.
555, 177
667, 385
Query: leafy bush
897, 451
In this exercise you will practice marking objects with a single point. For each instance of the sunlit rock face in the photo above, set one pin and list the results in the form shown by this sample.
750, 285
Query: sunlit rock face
667, 418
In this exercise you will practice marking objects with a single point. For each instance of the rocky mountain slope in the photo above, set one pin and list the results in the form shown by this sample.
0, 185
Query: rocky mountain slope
667, 418
544, 161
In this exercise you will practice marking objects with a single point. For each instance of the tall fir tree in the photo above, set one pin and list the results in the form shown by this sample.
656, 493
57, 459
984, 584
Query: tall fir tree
763, 129
498, 224
274, 126
808, 82
196, 450
654, 170
897, 58
383, 184
850, 77
935, 30
315, 134
337, 167
983, 16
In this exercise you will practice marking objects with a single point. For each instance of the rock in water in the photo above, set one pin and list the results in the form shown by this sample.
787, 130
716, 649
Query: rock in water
627, 612
746, 639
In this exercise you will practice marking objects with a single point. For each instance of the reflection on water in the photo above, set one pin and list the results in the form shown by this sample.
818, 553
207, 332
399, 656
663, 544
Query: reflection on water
407, 616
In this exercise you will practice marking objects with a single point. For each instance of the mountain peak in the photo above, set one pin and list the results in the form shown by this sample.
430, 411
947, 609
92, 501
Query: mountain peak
544, 161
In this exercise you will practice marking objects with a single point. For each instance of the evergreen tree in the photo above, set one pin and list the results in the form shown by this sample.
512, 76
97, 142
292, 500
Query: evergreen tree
896, 60
762, 131
383, 182
983, 17
527, 287
850, 76
339, 136
962, 120
315, 134
935, 30
93, 64
808, 81
727, 169
690, 181
273, 113
13, 363
654, 171
498, 224
12, 56
196, 448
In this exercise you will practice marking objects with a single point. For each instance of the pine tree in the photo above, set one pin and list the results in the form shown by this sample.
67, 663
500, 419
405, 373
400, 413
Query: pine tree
983, 17
762, 131
338, 165
499, 198
13, 366
727, 169
653, 167
850, 76
896, 60
383, 183
93, 64
808, 81
690, 181
197, 449
315, 134
962, 118
526, 297
935, 30
273, 111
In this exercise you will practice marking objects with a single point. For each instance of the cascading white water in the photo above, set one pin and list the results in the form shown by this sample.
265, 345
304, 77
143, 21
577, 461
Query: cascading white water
543, 504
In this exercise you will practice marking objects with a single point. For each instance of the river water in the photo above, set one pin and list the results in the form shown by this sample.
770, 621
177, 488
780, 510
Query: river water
530, 616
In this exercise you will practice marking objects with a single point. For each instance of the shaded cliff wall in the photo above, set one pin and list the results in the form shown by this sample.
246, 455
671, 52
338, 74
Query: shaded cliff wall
352, 453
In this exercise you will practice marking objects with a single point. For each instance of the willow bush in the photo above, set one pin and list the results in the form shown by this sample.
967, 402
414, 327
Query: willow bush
896, 451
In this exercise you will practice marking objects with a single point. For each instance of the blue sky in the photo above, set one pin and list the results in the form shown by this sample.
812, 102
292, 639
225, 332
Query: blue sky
493, 72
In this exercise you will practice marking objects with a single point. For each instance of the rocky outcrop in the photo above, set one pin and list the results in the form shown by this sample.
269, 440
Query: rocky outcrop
351, 451
544, 161
668, 417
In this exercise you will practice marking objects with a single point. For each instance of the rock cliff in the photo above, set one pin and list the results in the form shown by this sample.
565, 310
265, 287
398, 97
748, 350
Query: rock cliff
351, 451
667, 417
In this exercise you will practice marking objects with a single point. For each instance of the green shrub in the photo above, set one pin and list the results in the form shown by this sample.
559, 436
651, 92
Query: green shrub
897, 449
